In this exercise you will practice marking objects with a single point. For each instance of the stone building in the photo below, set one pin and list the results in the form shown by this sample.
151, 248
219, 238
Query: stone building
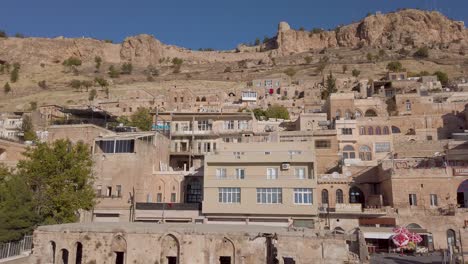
10, 126
186, 244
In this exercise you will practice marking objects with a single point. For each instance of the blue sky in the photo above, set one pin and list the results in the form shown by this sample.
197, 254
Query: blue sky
218, 24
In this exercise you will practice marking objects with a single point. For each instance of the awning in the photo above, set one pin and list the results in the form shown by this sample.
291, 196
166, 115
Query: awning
377, 232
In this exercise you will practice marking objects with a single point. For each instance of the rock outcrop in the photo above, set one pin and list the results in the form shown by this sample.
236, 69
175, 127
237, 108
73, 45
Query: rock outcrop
394, 30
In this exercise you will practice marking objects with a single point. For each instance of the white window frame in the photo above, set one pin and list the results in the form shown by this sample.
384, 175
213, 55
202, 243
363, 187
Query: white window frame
229, 124
303, 196
433, 200
413, 199
269, 196
221, 173
228, 195
272, 173
240, 173
300, 173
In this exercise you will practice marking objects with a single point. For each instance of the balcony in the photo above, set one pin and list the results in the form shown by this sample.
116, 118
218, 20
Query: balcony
348, 208
168, 206
168, 212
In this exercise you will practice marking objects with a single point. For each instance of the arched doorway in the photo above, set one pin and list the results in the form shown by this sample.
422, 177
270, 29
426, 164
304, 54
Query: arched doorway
79, 253
170, 250
64, 256
462, 194
451, 238
119, 247
225, 252
356, 195
52, 249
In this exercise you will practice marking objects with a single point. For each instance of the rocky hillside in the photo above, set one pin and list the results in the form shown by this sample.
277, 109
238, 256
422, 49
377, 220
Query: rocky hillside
409, 27
393, 31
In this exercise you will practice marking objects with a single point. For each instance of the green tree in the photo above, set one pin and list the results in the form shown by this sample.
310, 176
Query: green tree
97, 61
422, 52
442, 77
60, 175
42, 84
101, 82
370, 57
382, 53
28, 128
152, 71
394, 66
19, 35
257, 42
290, 72
33, 105
113, 73
72, 61
14, 74
259, 113
7, 88
126, 68
87, 84
142, 119
177, 61
308, 59
277, 111
330, 86
321, 67
17, 215
356, 72
3, 34
92, 95
75, 84
266, 39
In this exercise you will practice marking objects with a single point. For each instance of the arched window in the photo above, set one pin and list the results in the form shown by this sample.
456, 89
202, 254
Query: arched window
79, 253
414, 226
356, 195
324, 196
203, 99
64, 256
52, 248
396, 130
348, 152
370, 131
378, 131
365, 153
198, 99
385, 130
362, 130
339, 196
451, 238
348, 114
408, 105
357, 114
370, 113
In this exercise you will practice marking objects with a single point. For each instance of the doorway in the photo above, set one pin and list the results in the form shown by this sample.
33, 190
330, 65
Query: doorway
171, 260
224, 260
119, 257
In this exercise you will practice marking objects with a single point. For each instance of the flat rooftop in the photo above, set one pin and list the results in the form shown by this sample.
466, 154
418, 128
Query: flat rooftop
151, 228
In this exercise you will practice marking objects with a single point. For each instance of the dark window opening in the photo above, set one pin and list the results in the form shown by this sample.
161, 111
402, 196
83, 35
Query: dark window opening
64, 256
288, 260
79, 253
224, 260
171, 260
119, 257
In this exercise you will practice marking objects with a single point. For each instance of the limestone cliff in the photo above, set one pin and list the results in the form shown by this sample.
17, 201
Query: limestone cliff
394, 30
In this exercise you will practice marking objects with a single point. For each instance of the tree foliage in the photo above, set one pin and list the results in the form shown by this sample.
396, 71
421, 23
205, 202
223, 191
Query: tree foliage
126, 68
97, 61
113, 72
3, 34
290, 72
7, 88
60, 177
394, 66
277, 111
101, 82
356, 72
422, 52
72, 61
92, 95
14, 74
442, 77
142, 119
27, 126
330, 87
308, 59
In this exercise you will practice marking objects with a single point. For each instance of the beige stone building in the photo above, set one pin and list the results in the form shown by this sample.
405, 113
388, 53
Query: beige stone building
261, 183
10, 126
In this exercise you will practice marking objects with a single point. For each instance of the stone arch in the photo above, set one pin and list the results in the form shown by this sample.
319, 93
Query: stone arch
203, 99
170, 250
348, 152
64, 255
119, 249
198, 99
78, 253
370, 113
325, 198
225, 251
338, 230
396, 130
348, 114
370, 131
451, 238
339, 196
52, 247
386, 131
365, 152
414, 226
462, 194
378, 130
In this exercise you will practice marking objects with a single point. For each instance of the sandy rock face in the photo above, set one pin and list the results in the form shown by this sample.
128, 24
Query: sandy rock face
141, 50
407, 27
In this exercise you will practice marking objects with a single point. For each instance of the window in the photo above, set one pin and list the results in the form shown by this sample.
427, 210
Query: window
408, 105
378, 131
221, 173
148, 198
412, 199
338, 114
109, 191
324, 196
302, 196
348, 152
240, 174
117, 146
299, 173
229, 195
322, 144
269, 195
346, 131
385, 130
243, 124
357, 114
365, 153
362, 130
99, 190
272, 173
173, 197
348, 115
159, 198
204, 125
229, 124
339, 196
433, 198
119, 190
370, 131
382, 147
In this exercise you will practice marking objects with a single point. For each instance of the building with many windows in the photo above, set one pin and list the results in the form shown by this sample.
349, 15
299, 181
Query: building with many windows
261, 183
